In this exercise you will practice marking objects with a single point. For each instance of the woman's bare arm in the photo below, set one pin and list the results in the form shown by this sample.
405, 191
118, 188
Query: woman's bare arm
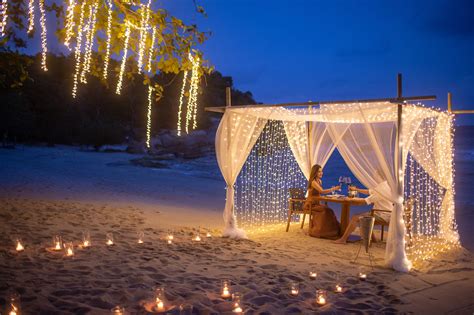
320, 189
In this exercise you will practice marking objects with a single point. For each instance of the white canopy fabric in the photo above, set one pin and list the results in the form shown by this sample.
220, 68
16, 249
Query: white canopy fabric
366, 136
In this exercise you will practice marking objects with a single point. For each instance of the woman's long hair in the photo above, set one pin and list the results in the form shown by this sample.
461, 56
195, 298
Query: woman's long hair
314, 173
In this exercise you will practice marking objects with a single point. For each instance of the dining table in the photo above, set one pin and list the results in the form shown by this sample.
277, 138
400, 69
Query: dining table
346, 203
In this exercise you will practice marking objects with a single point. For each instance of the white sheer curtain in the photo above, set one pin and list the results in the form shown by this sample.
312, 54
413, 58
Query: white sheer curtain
369, 150
432, 149
236, 135
309, 151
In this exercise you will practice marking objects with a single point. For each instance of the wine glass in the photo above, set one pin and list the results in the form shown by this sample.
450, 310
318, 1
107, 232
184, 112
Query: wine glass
341, 181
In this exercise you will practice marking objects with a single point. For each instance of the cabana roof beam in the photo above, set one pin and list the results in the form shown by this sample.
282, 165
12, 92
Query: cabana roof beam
221, 109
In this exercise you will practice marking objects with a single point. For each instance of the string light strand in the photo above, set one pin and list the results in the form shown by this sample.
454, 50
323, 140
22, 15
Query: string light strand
43, 35
124, 59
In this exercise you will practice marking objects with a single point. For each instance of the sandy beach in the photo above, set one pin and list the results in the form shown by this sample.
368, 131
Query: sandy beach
125, 199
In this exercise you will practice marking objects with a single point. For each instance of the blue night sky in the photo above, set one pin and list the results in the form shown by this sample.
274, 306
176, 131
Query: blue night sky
291, 51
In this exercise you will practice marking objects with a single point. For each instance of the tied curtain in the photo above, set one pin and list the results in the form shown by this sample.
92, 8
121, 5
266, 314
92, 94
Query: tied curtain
370, 151
432, 149
235, 137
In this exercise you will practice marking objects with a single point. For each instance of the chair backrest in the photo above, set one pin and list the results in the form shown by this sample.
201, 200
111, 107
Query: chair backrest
297, 193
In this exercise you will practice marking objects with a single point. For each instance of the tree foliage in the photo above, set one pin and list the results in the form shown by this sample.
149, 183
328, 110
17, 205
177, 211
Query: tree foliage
169, 53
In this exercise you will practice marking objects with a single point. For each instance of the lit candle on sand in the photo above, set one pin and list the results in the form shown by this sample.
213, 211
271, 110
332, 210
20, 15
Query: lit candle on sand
362, 276
208, 234
160, 306
86, 239
225, 294
170, 238
321, 297
69, 249
236, 301
160, 299
118, 310
338, 288
312, 275
110, 239
141, 236
57, 243
19, 246
294, 290
197, 238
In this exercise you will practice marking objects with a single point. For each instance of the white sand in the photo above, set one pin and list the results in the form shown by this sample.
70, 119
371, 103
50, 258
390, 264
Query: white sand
51, 195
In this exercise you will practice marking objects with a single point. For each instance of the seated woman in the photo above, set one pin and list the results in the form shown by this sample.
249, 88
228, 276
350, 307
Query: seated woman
380, 203
323, 222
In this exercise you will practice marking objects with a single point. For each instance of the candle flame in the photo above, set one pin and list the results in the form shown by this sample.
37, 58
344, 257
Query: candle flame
321, 300
19, 247
140, 241
159, 304
110, 242
208, 234
58, 246
86, 244
70, 252
338, 288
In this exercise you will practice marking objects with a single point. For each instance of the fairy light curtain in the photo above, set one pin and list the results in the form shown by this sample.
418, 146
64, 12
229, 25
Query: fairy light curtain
365, 134
235, 138
262, 187
432, 149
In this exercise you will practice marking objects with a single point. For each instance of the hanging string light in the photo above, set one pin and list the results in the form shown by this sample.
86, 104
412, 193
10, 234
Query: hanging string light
109, 31
145, 15
181, 99
78, 50
90, 41
3, 17
192, 99
124, 59
69, 22
43, 35
151, 49
148, 122
31, 15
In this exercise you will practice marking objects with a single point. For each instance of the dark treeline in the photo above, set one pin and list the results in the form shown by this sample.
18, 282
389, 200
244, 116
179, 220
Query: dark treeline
41, 107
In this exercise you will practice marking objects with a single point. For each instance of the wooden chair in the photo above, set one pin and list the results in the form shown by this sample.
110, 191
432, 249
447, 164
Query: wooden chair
408, 208
296, 205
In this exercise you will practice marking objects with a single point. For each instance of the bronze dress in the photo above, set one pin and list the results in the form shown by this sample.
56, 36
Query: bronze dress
323, 222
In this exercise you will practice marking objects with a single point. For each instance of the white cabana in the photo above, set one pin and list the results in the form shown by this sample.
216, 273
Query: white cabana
374, 139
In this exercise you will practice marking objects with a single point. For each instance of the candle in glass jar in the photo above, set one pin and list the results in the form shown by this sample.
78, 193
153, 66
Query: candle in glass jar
170, 238
208, 234
313, 275
362, 276
118, 310
225, 289
321, 297
294, 290
141, 236
197, 238
236, 300
19, 246
57, 243
110, 239
338, 288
